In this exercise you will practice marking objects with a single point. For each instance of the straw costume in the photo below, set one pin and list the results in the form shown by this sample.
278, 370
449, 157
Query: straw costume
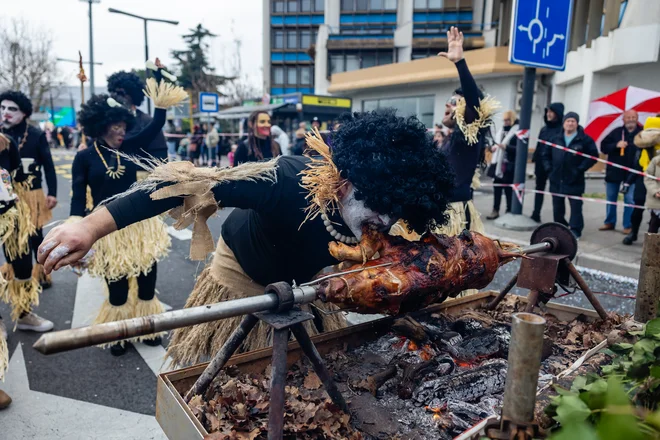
289, 210
125, 259
25, 279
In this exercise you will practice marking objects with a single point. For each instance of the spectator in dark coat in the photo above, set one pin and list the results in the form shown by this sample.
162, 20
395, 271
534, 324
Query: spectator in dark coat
566, 171
619, 146
554, 117
504, 160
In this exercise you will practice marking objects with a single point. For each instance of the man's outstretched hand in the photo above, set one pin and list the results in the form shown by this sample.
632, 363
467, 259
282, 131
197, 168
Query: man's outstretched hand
455, 50
64, 245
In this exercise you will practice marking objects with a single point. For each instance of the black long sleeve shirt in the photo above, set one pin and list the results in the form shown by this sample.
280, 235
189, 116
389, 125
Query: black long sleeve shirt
157, 147
462, 156
36, 147
265, 232
88, 168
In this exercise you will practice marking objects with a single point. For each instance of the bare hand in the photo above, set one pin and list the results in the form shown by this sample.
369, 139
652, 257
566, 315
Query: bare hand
494, 148
621, 144
51, 202
455, 45
657, 195
64, 245
159, 64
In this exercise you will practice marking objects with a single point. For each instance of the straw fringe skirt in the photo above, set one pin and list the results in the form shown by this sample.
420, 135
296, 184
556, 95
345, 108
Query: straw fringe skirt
36, 201
224, 279
21, 295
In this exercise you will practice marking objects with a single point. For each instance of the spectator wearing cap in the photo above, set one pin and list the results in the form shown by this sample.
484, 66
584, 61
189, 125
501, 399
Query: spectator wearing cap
566, 171
316, 123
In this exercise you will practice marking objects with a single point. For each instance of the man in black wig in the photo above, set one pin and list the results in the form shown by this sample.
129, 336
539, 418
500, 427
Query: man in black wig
128, 88
381, 168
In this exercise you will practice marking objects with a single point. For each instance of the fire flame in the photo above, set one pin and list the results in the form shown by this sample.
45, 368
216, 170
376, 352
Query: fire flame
412, 346
427, 353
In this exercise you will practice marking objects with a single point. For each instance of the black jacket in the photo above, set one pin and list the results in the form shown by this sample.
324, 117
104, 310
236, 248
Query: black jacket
608, 146
36, 147
549, 131
566, 170
299, 147
158, 146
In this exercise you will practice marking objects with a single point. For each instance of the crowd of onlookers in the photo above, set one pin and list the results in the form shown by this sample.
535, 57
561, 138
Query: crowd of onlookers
629, 145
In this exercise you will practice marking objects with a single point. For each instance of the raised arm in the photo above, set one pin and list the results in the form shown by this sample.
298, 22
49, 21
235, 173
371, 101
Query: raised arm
471, 91
142, 139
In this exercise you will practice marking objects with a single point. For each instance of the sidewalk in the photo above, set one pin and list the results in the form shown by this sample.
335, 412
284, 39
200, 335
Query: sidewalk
597, 250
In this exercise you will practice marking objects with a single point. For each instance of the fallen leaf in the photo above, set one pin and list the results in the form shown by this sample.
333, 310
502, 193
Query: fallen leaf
312, 381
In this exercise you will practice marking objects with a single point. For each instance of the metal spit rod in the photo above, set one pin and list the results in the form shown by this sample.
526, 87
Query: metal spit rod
65, 340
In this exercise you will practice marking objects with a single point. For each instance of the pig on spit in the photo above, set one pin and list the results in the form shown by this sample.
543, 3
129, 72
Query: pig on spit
420, 272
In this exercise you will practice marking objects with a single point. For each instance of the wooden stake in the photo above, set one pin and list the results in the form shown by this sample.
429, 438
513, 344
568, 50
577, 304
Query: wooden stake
648, 288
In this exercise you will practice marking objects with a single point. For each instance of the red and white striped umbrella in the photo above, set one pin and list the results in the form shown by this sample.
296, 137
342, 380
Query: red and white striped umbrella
605, 114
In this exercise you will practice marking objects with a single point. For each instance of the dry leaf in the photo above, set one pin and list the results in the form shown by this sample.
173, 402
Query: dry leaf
312, 381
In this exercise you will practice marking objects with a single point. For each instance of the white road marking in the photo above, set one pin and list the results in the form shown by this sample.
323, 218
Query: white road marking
183, 234
32, 414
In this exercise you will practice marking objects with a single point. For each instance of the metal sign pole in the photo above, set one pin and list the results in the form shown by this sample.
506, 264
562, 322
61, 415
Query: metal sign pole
522, 145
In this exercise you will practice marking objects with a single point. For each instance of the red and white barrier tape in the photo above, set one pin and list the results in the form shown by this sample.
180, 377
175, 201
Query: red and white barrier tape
598, 159
519, 189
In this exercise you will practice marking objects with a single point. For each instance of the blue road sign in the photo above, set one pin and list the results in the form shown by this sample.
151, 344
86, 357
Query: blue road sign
208, 102
540, 33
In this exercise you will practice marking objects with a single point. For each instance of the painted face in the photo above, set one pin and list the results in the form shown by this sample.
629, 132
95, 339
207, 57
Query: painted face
123, 97
10, 113
356, 214
262, 128
450, 107
115, 135
570, 125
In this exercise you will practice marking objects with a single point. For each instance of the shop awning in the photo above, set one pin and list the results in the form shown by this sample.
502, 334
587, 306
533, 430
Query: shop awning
241, 111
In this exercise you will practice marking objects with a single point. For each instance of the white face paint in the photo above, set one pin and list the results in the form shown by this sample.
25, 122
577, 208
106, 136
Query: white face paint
10, 113
356, 214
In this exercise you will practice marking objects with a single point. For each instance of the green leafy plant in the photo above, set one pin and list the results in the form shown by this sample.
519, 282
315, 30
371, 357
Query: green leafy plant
624, 404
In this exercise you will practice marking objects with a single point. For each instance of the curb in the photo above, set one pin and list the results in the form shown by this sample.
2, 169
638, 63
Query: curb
590, 261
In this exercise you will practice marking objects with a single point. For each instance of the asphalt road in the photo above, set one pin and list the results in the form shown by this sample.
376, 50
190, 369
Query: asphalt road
88, 393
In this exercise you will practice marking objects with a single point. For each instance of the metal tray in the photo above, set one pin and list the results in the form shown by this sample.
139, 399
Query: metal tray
178, 422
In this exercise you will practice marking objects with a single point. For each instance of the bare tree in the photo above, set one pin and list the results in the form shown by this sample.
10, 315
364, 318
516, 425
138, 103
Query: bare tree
27, 60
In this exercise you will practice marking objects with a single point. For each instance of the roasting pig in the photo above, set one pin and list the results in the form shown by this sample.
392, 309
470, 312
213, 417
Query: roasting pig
419, 273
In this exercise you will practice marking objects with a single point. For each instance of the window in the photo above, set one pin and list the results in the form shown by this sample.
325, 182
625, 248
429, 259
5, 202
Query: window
292, 40
435, 4
305, 5
336, 64
362, 5
376, 4
390, 5
292, 6
291, 75
347, 5
278, 6
368, 60
429, 4
319, 5
352, 62
278, 75
385, 58
305, 39
420, 4
278, 41
305, 75
421, 106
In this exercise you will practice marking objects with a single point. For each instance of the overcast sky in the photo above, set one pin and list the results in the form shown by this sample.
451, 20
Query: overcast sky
119, 40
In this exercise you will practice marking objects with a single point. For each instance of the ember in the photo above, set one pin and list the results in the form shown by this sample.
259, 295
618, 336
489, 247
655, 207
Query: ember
450, 377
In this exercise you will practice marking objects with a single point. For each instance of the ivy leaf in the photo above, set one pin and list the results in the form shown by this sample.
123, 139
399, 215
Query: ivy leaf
621, 347
653, 419
652, 328
655, 371
581, 431
645, 346
579, 383
571, 410
564, 392
618, 420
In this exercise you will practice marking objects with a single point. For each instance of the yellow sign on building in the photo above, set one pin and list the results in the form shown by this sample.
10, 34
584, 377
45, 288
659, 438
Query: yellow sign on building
326, 101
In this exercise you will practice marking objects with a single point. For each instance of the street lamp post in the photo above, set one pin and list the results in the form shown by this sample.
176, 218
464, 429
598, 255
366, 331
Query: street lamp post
146, 39
91, 45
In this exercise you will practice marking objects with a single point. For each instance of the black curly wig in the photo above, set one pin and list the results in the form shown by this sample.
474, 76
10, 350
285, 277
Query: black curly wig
23, 102
127, 83
96, 116
394, 166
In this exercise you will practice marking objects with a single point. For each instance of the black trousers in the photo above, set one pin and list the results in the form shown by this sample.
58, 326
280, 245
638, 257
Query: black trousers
497, 193
541, 181
146, 288
639, 198
576, 221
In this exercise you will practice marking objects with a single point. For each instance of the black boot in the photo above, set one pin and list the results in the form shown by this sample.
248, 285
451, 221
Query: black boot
153, 342
536, 217
118, 349
630, 238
